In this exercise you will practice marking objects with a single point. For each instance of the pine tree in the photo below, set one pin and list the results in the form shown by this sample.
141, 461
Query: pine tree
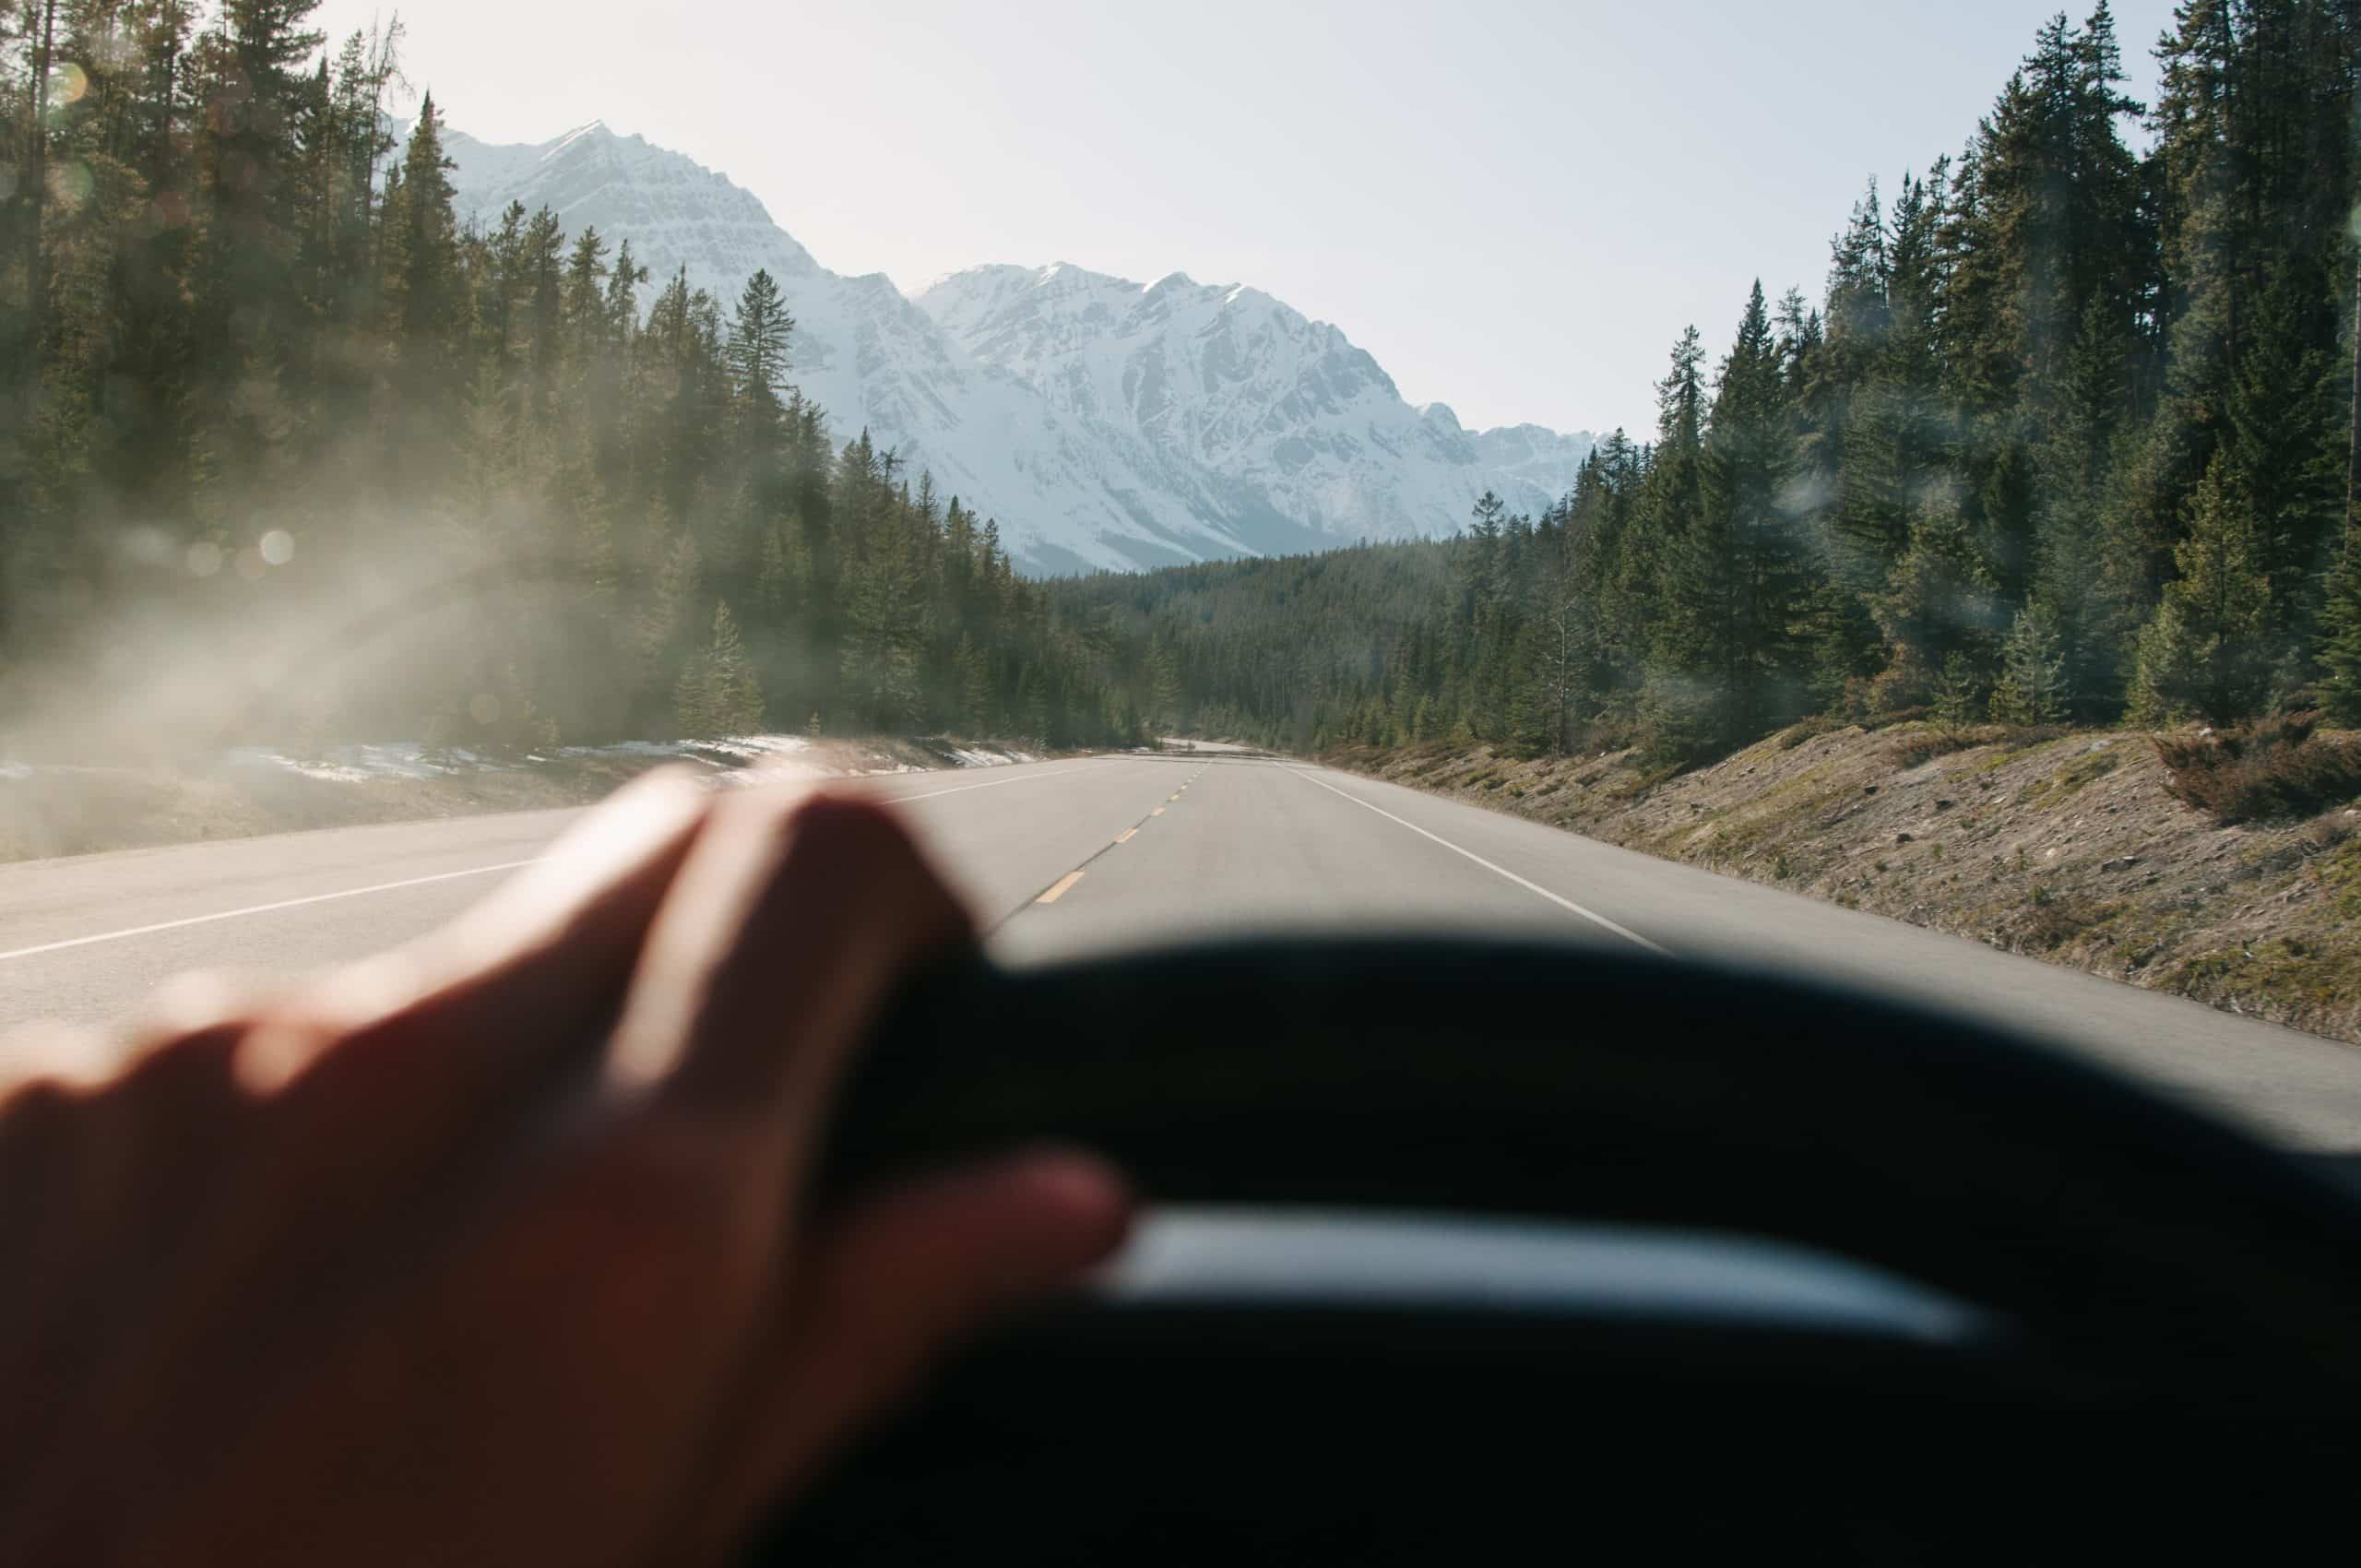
1941, 600
757, 354
665, 620
2034, 686
691, 717
425, 287
2205, 653
1731, 665
975, 688
2340, 646
2091, 593
728, 699
1959, 690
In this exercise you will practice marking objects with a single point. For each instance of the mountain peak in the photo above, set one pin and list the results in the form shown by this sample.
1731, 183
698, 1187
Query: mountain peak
596, 130
674, 211
1104, 422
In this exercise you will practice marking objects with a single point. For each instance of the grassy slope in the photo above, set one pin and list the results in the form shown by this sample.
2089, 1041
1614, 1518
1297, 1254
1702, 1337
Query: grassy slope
2066, 848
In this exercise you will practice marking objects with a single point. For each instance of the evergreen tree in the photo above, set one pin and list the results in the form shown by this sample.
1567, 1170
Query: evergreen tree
758, 336
2066, 422
2206, 652
2341, 649
2034, 687
426, 293
718, 694
1730, 664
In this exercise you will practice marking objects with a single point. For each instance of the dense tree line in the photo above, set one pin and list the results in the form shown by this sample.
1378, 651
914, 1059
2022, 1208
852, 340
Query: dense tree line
249, 353
2070, 434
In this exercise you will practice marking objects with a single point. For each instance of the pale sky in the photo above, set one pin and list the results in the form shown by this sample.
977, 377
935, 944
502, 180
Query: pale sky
1515, 205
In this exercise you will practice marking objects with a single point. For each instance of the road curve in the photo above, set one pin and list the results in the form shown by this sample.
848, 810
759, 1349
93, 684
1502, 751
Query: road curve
1088, 855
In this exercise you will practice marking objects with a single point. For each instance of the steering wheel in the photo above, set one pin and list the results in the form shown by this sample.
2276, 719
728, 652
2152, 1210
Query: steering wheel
1650, 1254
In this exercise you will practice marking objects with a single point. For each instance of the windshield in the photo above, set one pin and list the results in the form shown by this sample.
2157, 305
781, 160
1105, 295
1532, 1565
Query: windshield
1864, 490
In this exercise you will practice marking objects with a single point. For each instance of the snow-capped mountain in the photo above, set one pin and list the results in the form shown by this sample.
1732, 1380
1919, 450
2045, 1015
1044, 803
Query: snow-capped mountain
1242, 403
1103, 423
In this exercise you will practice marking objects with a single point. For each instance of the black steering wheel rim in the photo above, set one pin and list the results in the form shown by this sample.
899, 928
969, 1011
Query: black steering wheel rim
2173, 1373
1547, 1081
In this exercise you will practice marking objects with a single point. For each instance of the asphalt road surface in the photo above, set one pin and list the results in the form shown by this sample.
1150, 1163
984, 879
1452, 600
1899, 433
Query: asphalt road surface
1084, 855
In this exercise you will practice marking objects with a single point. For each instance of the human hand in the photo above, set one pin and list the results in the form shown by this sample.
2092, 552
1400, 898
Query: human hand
495, 1249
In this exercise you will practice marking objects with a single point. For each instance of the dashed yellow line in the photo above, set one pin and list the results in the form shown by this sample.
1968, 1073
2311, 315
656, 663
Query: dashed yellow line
1124, 836
1057, 889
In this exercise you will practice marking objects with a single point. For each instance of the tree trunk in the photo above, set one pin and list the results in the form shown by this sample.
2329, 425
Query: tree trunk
2353, 447
37, 183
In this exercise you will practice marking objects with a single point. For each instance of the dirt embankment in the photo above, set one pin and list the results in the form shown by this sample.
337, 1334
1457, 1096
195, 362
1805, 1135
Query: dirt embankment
69, 809
2068, 847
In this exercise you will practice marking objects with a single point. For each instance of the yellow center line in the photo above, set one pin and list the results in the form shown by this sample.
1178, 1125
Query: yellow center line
1125, 835
1057, 889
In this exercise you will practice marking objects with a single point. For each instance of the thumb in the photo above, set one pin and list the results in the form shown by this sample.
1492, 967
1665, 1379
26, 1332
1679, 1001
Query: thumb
894, 1282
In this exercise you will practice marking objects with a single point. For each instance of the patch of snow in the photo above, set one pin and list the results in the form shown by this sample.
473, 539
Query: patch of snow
744, 747
756, 745
360, 764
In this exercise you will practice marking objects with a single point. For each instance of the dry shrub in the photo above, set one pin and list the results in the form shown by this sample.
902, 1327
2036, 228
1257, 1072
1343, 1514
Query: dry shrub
1920, 745
2273, 768
1811, 727
1908, 751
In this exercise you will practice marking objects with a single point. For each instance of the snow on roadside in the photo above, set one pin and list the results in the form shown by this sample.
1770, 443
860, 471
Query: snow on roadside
989, 756
735, 760
751, 746
358, 764
1180, 744
761, 759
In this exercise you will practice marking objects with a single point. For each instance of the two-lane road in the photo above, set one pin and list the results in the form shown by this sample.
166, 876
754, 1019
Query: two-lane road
1084, 855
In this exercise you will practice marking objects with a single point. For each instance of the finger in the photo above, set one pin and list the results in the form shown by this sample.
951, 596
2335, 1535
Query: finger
885, 1291
493, 998
774, 950
388, 1102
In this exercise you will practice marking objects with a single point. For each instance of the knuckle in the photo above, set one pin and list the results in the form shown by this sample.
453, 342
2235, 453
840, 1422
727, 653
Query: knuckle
32, 1103
76, 1063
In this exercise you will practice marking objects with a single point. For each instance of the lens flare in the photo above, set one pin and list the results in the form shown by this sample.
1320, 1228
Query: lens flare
70, 184
277, 546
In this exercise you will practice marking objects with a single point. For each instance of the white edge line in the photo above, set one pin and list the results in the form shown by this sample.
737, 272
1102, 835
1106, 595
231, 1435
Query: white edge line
406, 881
258, 910
1566, 904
